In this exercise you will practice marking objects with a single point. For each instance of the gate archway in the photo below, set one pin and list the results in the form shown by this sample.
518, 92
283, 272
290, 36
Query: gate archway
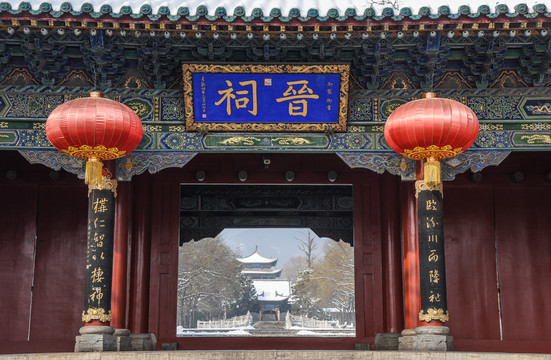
360, 223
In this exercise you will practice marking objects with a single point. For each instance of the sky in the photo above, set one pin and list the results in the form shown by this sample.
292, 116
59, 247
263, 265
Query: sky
274, 243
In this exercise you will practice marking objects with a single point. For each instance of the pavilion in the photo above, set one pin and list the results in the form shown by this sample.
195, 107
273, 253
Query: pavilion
273, 293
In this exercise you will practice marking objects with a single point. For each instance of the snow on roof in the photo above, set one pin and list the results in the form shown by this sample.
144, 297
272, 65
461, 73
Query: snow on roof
261, 271
272, 290
256, 258
322, 7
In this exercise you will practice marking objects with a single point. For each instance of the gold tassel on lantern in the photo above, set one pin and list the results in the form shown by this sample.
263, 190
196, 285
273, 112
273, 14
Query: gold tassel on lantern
432, 171
94, 169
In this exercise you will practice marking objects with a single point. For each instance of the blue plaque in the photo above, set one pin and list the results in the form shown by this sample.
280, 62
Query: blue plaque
266, 97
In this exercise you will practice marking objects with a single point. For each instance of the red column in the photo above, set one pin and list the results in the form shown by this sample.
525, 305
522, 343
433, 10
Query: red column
412, 295
140, 258
120, 256
392, 267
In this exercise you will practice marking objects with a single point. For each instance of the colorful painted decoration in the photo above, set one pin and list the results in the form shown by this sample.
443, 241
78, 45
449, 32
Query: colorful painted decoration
432, 129
94, 128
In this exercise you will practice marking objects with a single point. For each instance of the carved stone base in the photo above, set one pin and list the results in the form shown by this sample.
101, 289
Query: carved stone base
123, 339
96, 339
387, 341
426, 338
143, 342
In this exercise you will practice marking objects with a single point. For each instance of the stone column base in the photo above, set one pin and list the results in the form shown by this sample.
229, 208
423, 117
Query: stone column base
426, 338
95, 339
387, 341
143, 342
123, 339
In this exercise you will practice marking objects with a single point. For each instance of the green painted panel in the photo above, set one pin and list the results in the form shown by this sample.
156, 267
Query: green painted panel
8, 137
251, 141
536, 108
529, 139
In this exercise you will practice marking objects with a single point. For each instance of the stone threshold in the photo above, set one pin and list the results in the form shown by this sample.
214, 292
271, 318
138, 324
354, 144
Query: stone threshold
279, 355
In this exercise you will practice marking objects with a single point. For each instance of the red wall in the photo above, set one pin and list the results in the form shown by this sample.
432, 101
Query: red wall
42, 252
498, 257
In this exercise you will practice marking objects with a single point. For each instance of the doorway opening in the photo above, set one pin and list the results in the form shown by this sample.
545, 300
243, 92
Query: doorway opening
266, 260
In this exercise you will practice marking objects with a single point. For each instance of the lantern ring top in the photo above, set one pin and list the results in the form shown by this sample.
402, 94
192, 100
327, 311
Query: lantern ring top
420, 153
100, 151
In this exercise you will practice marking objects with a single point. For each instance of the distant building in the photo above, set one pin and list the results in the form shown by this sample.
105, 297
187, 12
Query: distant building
273, 293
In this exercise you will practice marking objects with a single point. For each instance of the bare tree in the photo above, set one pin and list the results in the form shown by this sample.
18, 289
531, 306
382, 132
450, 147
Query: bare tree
395, 4
293, 267
335, 277
209, 281
328, 284
308, 247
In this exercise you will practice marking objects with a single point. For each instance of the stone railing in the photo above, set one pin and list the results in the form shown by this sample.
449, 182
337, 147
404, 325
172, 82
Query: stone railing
305, 322
234, 322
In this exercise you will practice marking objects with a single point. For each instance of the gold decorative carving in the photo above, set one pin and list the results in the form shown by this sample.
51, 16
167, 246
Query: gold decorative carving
496, 127
508, 79
100, 151
77, 77
544, 109
191, 125
240, 140
152, 128
20, 76
4, 125
420, 153
179, 128
434, 314
106, 184
96, 314
420, 185
398, 80
534, 126
537, 139
453, 80
294, 140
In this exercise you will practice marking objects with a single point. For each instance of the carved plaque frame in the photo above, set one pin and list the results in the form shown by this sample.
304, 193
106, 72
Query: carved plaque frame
192, 124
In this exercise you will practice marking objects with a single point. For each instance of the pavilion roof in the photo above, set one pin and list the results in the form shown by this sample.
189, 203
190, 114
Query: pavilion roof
280, 12
261, 271
256, 258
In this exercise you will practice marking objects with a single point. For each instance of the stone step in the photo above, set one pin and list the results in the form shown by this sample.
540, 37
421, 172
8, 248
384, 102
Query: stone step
273, 325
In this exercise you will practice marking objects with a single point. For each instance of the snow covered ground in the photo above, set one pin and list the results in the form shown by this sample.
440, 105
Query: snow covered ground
249, 331
243, 331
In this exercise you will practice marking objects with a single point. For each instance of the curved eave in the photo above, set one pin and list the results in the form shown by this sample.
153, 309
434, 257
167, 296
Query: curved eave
239, 15
278, 299
271, 262
256, 272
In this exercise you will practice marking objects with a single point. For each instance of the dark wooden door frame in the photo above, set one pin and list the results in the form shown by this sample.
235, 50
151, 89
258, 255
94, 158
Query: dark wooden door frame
312, 169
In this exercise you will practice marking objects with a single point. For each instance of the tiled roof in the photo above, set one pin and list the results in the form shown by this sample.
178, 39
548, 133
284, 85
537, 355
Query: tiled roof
266, 11
256, 258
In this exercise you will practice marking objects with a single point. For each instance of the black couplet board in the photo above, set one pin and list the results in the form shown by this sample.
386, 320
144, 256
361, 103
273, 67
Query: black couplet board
431, 252
99, 256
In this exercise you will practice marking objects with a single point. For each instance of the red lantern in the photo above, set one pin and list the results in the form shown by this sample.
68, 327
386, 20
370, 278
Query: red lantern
94, 128
431, 128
